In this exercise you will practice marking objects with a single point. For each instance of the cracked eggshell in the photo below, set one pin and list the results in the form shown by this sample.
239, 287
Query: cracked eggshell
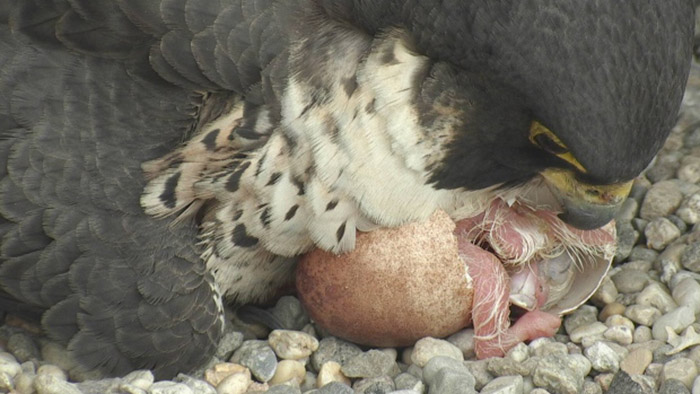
397, 286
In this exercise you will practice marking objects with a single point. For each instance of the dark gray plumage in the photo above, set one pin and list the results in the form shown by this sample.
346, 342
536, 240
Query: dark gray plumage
108, 110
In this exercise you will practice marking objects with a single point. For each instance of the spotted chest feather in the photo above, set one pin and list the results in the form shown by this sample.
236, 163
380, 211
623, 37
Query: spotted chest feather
349, 153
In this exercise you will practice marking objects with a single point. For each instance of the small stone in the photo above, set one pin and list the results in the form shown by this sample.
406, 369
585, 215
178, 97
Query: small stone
330, 372
438, 363
682, 369
603, 357
427, 348
197, 386
619, 320
292, 345
690, 259
9, 364
290, 313
142, 379
606, 293
545, 346
279, 389
657, 296
505, 366
642, 334
641, 252
659, 233
230, 341
590, 387
221, 371
236, 383
6, 382
24, 382
678, 320
406, 381
504, 385
259, 357
309, 382
381, 384
518, 353
479, 369
449, 381
464, 340
696, 386
627, 237
687, 293
289, 370
370, 364
620, 383
613, 308
661, 200
333, 349
636, 361
642, 314
50, 384
23, 347
595, 329
561, 373
335, 388
57, 355
689, 210
619, 334
673, 386
582, 316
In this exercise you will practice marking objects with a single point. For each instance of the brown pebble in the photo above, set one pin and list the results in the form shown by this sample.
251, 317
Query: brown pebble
614, 308
637, 361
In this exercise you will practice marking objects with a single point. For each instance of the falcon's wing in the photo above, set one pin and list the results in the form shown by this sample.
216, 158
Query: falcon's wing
90, 89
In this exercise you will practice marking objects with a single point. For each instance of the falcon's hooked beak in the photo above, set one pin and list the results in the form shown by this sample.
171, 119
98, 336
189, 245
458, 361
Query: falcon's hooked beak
585, 206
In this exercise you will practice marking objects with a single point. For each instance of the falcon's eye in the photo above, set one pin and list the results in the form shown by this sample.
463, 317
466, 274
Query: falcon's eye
547, 143
544, 139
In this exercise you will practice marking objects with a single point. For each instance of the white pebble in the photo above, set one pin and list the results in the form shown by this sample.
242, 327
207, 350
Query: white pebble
142, 379
236, 383
689, 210
619, 334
504, 385
289, 370
678, 319
682, 369
642, 334
603, 357
330, 372
642, 314
427, 348
660, 232
687, 292
595, 329
657, 296
50, 384
292, 345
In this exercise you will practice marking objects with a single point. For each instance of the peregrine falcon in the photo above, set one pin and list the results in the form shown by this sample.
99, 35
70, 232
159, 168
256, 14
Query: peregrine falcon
160, 157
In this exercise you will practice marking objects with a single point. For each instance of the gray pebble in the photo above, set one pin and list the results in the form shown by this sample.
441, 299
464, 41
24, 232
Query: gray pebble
480, 371
582, 316
619, 334
290, 313
505, 366
640, 224
333, 349
23, 347
642, 334
449, 381
259, 357
642, 314
673, 386
560, 374
406, 381
166, 387
678, 222
589, 331
504, 385
687, 292
381, 384
661, 200
464, 340
660, 232
690, 259
50, 384
283, 389
657, 295
627, 211
438, 363
427, 348
641, 252
622, 383
603, 357
370, 364
682, 369
689, 210
607, 292
230, 341
335, 388
689, 170
590, 387
678, 319
627, 237
198, 386
99, 386
542, 347
640, 187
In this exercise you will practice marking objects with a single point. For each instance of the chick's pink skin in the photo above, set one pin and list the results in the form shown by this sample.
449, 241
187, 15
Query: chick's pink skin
494, 335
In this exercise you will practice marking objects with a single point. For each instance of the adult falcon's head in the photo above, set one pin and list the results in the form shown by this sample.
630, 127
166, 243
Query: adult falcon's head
581, 93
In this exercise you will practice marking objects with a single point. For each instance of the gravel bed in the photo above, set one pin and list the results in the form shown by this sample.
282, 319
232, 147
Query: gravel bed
640, 332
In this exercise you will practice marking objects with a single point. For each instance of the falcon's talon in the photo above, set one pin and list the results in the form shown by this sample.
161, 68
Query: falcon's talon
156, 159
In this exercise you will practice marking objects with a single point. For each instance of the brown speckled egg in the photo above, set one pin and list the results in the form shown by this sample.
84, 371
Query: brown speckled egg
397, 286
